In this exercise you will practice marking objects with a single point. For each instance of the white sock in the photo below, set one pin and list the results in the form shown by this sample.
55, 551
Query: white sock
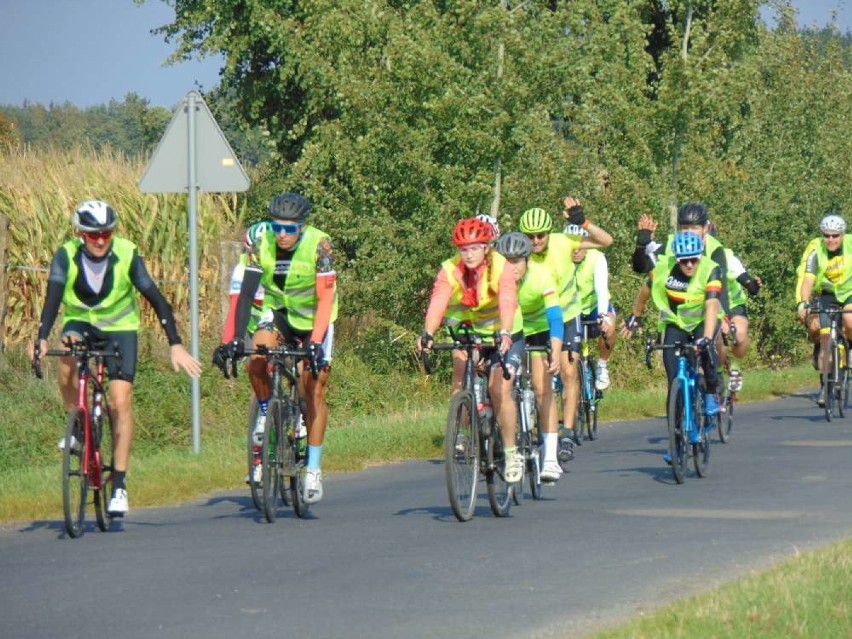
551, 441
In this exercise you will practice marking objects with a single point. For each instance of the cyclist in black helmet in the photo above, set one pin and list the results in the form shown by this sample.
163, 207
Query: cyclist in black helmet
294, 262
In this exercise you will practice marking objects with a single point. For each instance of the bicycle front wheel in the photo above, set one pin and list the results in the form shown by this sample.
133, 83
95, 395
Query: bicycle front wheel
829, 378
533, 455
461, 455
725, 417
253, 452
270, 458
677, 439
102, 435
499, 491
75, 483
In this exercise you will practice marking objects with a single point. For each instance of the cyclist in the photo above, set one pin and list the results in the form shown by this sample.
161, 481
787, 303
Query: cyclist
251, 237
554, 250
294, 262
830, 264
477, 287
739, 282
542, 325
92, 277
685, 286
592, 277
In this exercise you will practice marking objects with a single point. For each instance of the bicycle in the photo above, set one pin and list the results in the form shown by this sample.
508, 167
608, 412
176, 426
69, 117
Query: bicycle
88, 431
687, 424
528, 437
589, 396
835, 374
472, 444
283, 452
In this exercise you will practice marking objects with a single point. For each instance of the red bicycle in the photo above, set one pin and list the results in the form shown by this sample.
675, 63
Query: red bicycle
88, 432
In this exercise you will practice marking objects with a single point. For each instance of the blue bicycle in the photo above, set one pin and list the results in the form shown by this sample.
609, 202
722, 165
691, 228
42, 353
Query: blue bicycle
689, 429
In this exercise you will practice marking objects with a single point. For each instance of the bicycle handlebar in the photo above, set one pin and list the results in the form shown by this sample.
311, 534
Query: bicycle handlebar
650, 347
77, 350
284, 350
464, 339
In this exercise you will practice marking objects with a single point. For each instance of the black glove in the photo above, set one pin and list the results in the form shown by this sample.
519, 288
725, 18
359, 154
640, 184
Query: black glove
220, 357
703, 343
315, 352
644, 237
426, 340
576, 215
235, 349
632, 323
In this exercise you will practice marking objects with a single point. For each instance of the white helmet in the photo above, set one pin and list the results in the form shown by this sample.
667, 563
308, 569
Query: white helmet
832, 223
490, 219
94, 216
573, 229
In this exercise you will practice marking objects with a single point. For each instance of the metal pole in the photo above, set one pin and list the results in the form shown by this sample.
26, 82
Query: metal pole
193, 269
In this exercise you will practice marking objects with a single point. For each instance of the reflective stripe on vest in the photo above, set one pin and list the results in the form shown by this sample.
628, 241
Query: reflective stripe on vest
118, 310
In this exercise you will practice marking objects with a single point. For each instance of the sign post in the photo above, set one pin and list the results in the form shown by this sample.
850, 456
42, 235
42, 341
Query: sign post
193, 155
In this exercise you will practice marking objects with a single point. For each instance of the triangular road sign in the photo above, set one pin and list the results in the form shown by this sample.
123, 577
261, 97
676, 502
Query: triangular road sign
217, 168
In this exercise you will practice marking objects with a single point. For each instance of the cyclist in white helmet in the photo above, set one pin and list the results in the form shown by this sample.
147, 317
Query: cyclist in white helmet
830, 264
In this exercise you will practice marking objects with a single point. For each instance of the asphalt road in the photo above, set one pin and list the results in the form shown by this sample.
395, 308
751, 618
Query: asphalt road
383, 556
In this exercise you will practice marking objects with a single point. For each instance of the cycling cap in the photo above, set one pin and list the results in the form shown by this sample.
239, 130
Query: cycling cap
289, 206
536, 221
573, 229
94, 215
832, 223
692, 213
490, 219
687, 244
472, 231
514, 244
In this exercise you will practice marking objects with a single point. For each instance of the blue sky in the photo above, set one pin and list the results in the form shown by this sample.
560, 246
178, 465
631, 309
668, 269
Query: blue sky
90, 51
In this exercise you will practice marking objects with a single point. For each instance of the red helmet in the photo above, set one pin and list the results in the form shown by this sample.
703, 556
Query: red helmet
472, 231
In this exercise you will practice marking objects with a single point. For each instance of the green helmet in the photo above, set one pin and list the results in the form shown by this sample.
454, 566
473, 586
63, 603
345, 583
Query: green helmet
536, 221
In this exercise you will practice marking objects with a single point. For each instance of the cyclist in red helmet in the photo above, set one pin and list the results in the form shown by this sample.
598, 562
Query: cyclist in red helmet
477, 287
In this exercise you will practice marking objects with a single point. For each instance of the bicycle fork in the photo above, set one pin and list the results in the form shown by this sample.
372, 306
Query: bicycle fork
689, 381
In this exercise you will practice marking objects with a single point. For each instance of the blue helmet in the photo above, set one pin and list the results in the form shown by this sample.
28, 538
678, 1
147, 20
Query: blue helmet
687, 244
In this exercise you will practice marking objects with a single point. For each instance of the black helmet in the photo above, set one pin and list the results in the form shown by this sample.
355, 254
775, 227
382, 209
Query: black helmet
289, 206
514, 244
94, 216
692, 213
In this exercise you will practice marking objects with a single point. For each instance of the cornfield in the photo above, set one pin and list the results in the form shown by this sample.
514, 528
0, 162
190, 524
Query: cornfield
38, 192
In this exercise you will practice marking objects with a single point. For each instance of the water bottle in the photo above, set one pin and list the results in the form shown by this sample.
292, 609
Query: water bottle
528, 402
841, 351
483, 403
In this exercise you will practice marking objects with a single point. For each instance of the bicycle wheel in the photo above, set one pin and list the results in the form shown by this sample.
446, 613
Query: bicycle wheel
725, 417
580, 417
592, 401
828, 379
677, 440
701, 450
102, 435
254, 456
839, 375
533, 462
522, 442
845, 384
271, 455
499, 490
75, 484
461, 455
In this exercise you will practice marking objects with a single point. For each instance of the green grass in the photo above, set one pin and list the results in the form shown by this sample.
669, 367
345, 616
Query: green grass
806, 596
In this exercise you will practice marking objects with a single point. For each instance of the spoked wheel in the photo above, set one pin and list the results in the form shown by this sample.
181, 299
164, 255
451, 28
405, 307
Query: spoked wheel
725, 417
75, 484
845, 384
677, 438
271, 456
594, 407
254, 456
290, 449
461, 455
580, 417
839, 389
499, 490
533, 463
300, 506
102, 433
701, 450
828, 378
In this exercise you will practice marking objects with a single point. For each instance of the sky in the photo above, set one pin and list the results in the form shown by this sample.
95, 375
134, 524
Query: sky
88, 52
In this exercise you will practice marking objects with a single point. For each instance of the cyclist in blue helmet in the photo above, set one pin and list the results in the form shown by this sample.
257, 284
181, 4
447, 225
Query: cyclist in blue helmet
685, 286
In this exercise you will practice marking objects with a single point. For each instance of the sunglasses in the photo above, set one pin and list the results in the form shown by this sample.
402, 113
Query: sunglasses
831, 237
537, 236
471, 248
94, 236
284, 227
688, 261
